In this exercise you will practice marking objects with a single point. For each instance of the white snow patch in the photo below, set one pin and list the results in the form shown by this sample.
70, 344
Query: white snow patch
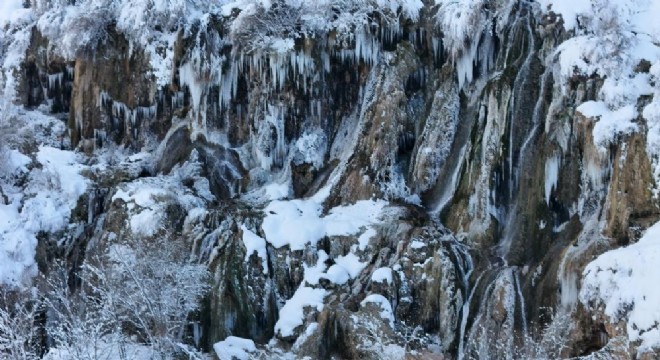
300, 222
145, 219
255, 243
16, 162
416, 244
310, 148
276, 191
314, 273
345, 268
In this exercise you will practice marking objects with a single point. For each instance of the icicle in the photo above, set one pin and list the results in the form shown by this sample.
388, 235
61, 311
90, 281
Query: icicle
325, 58
55, 81
437, 49
188, 78
177, 100
367, 49
465, 63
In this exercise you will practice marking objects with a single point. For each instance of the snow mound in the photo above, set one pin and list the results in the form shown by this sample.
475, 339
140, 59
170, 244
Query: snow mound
235, 347
383, 274
383, 304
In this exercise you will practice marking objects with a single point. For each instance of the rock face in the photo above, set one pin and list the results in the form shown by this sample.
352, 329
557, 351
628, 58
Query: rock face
396, 189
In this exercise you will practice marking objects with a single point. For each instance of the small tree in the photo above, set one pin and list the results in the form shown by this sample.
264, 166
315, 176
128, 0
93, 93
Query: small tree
131, 299
18, 334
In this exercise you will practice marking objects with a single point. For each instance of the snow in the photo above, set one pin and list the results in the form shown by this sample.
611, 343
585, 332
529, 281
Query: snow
625, 281
311, 148
611, 124
416, 244
54, 190
652, 115
11, 10
16, 163
235, 347
384, 306
299, 222
345, 268
17, 22
145, 219
309, 331
352, 264
292, 313
315, 272
337, 274
254, 243
275, 191
383, 274
45, 204
112, 349
363, 240
611, 39
568, 9
146, 199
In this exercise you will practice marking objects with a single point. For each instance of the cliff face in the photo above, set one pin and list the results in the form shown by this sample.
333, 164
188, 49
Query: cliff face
361, 179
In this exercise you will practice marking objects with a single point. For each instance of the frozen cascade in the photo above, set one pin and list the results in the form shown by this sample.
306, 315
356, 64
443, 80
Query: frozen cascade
178, 99
538, 112
367, 49
513, 164
55, 81
448, 191
465, 266
479, 53
198, 88
465, 64
552, 166
522, 78
567, 277
521, 300
485, 337
465, 315
271, 151
131, 118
